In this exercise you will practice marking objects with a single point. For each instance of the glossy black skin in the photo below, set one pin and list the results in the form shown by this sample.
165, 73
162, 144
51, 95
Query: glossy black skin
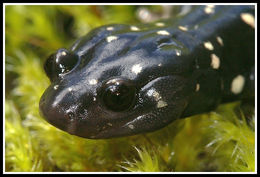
166, 84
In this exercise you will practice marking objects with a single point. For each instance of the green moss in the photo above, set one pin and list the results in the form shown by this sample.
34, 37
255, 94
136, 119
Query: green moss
19, 148
216, 141
208, 142
148, 162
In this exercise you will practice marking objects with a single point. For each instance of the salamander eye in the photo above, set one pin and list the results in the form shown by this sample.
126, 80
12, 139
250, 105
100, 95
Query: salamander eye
118, 94
59, 63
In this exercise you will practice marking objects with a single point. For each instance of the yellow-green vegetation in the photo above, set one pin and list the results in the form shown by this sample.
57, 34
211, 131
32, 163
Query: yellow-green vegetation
217, 141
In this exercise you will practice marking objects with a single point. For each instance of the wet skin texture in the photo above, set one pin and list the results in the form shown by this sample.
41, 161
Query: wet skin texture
121, 80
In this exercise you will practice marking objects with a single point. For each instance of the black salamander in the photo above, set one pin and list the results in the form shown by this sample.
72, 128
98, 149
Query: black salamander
121, 80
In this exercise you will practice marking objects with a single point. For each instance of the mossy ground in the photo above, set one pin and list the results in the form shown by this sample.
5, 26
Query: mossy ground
220, 140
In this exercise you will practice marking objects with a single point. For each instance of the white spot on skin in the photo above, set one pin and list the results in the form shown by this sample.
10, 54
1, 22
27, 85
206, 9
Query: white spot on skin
163, 32
220, 41
136, 68
209, 9
110, 28
56, 87
157, 97
161, 104
178, 52
92, 82
248, 19
159, 24
131, 126
208, 45
150, 92
134, 28
154, 93
111, 38
197, 87
237, 84
63, 53
215, 61
183, 28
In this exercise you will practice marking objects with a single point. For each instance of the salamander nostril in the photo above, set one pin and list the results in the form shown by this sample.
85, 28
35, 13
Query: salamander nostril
71, 116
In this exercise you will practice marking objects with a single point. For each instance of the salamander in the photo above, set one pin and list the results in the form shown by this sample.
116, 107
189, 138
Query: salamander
121, 80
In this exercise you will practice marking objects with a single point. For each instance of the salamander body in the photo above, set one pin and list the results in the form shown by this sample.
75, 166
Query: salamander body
121, 80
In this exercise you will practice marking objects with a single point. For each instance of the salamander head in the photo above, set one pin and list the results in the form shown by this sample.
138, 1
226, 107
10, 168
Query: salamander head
115, 82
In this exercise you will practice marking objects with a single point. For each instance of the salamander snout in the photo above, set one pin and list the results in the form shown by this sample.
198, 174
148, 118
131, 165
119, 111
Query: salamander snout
64, 108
